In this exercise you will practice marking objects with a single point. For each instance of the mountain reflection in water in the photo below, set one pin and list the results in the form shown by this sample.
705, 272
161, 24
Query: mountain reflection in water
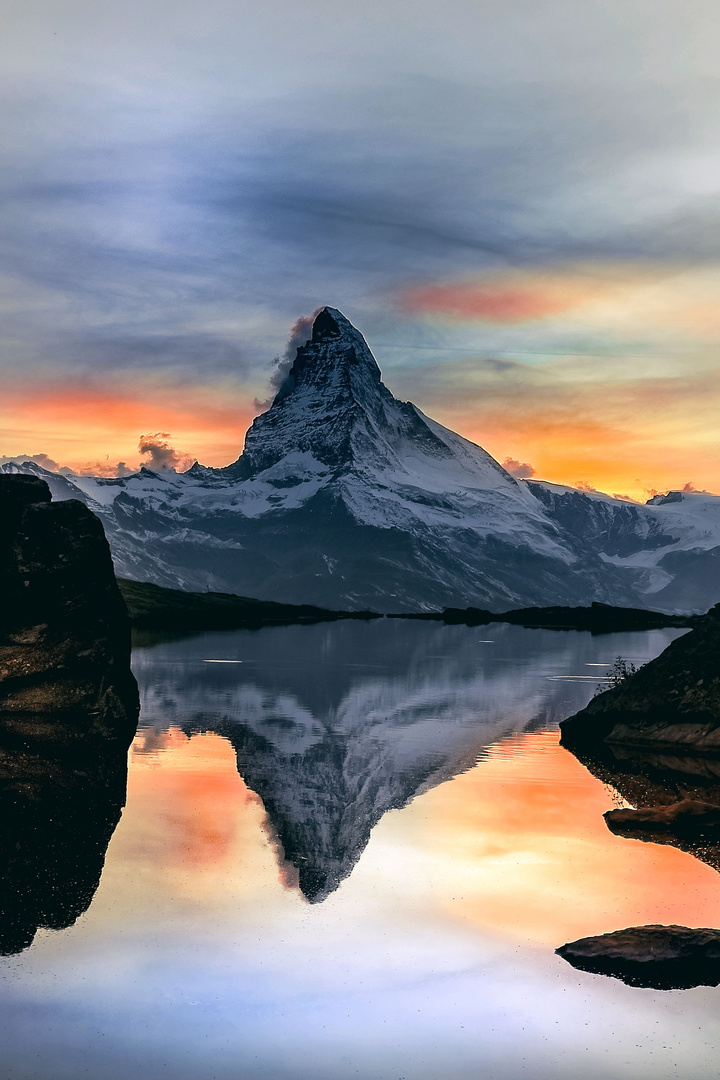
335, 725
199, 959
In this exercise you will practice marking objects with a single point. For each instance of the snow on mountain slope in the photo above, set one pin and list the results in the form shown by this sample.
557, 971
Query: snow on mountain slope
671, 545
346, 497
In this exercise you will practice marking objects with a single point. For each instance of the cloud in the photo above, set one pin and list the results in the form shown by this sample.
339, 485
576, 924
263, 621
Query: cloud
583, 485
191, 353
160, 455
300, 334
42, 460
91, 428
502, 301
176, 233
521, 470
101, 468
121, 250
89, 468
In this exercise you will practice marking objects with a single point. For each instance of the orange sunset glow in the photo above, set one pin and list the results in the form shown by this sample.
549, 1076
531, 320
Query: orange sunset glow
607, 293
514, 299
599, 374
517, 844
532, 855
616, 455
205, 823
91, 429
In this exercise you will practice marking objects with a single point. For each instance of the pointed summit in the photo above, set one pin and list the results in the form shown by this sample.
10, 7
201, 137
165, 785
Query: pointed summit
332, 399
345, 497
329, 323
336, 358
334, 415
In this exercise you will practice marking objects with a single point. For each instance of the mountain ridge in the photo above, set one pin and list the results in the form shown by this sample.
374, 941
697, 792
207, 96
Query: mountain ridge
345, 497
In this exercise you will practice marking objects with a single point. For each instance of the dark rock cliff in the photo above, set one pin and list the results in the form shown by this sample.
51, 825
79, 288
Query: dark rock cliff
68, 709
64, 629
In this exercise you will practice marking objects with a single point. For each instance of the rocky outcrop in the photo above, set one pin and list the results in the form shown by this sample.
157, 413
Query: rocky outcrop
643, 738
656, 957
64, 631
693, 818
68, 708
672, 701
674, 797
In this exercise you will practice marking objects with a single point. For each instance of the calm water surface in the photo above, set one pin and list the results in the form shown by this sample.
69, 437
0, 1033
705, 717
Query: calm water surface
350, 850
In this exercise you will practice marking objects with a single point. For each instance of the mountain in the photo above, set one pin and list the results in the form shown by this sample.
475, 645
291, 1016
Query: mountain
345, 497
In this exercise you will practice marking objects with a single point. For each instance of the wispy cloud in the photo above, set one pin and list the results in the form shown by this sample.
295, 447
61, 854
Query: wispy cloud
176, 191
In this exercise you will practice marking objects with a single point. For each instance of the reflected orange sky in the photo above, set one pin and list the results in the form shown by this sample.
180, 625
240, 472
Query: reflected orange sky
200, 830
517, 845
532, 856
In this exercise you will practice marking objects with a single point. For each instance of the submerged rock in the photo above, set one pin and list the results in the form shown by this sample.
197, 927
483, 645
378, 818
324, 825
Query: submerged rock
655, 957
689, 817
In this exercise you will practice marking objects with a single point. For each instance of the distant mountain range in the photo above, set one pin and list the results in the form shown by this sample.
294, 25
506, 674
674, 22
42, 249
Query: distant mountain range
345, 497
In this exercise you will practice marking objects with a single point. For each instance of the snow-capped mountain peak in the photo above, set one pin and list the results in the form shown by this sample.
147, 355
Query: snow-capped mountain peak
334, 407
346, 497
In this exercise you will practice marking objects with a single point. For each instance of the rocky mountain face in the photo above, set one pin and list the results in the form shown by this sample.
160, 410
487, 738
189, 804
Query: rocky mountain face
347, 498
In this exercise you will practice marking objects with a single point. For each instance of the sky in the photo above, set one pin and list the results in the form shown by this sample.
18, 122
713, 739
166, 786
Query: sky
516, 203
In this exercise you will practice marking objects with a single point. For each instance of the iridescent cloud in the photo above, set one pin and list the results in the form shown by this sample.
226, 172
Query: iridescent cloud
527, 181
508, 299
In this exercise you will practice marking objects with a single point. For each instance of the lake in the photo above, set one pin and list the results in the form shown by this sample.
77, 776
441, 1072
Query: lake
350, 850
